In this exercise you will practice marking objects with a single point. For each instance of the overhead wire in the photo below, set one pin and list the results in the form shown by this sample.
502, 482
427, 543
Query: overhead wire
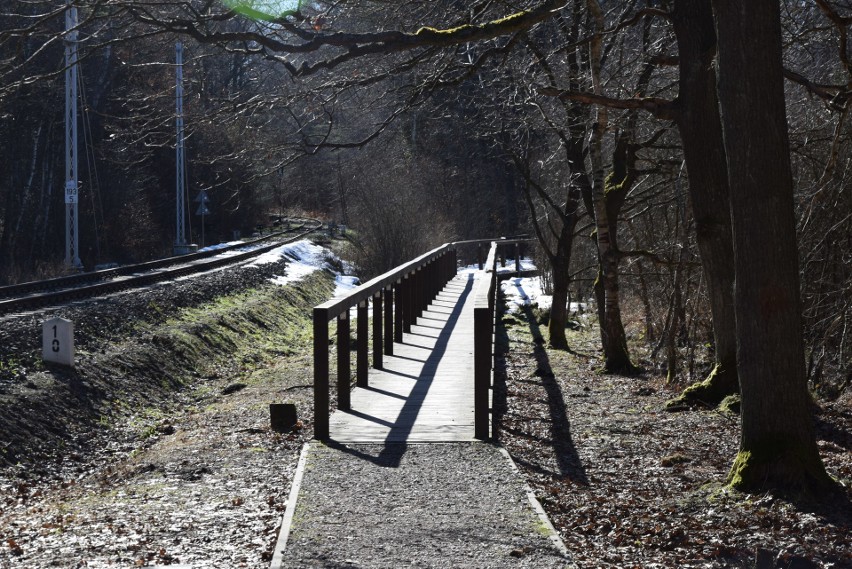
94, 180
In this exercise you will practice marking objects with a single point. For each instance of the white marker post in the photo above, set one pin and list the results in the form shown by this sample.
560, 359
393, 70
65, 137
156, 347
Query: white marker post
58, 341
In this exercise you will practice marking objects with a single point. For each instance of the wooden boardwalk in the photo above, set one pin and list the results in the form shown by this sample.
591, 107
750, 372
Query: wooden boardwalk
367, 497
424, 393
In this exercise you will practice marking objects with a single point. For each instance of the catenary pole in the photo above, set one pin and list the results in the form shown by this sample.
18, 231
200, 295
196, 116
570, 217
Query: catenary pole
72, 234
180, 157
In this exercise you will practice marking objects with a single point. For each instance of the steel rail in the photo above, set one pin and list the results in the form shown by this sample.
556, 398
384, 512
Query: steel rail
138, 275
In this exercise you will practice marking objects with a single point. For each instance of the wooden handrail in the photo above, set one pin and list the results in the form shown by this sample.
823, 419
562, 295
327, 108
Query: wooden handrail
483, 341
335, 306
367, 290
399, 296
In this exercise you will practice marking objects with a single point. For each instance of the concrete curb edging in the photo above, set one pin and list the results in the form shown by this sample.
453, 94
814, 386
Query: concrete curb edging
553, 535
287, 520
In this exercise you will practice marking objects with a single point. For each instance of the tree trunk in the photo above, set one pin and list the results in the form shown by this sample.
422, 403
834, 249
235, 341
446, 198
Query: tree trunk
613, 338
701, 135
650, 334
559, 254
561, 276
676, 318
777, 446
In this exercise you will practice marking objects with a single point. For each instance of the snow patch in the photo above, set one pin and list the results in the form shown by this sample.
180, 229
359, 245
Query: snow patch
302, 252
344, 285
526, 265
219, 246
303, 258
519, 291
525, 291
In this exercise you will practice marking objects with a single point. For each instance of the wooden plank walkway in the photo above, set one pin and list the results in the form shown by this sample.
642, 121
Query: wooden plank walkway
369, 498
424, 393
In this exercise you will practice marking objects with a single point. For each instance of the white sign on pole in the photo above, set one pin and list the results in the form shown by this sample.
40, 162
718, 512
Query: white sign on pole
71, 192
58, 341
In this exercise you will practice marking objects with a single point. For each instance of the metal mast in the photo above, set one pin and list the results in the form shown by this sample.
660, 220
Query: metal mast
72, 237
180, 157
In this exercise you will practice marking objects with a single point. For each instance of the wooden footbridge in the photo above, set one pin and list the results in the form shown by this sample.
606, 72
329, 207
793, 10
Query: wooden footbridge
430, 342
370, 498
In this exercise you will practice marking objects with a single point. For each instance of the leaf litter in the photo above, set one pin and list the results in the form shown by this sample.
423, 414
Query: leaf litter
628, 484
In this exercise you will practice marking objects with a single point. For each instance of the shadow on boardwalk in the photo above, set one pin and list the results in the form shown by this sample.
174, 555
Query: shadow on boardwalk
400, 429
377, 497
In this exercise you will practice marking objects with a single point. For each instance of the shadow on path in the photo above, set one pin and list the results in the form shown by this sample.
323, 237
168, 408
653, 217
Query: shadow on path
567, 458
568, 461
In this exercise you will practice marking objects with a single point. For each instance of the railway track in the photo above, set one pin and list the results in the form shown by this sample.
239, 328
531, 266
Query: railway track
27, 296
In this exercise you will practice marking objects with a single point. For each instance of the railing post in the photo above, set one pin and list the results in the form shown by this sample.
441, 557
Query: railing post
378, 348
389, 320
362, 347
437, 285
491, 271
414, 298
321, 398
425, 287
455, 264
344, 377
420, 293
481, 368
398, 326
492, 325
431, 280
435, 277
415, 295
479, 255
518, 258
439, 273
407, 302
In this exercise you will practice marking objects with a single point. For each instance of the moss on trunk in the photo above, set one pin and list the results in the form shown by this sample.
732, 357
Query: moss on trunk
721, 383
783, 466
731, 404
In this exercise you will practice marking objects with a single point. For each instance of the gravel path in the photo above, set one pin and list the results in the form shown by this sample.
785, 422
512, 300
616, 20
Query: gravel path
435, 505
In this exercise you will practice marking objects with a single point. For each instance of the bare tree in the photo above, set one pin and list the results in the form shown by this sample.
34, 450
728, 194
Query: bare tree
778, 445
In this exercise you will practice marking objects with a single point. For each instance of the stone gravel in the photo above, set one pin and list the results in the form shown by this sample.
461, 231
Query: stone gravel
423, 505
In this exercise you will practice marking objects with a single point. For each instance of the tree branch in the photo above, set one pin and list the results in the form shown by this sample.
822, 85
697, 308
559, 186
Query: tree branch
360, 44
660, 108
835, 95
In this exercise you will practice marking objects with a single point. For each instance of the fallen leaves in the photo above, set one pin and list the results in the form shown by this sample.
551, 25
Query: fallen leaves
629, 485
674, 459
202, 495
14, 547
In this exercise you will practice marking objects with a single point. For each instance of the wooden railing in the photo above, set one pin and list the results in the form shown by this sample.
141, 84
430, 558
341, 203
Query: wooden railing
484, 321
483, 342
399, 297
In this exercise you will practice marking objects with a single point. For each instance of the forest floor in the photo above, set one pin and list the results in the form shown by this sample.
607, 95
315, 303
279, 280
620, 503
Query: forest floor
198, 479
628, 484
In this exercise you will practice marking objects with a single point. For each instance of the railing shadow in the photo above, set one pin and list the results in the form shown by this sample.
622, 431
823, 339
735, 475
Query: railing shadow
567, 459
